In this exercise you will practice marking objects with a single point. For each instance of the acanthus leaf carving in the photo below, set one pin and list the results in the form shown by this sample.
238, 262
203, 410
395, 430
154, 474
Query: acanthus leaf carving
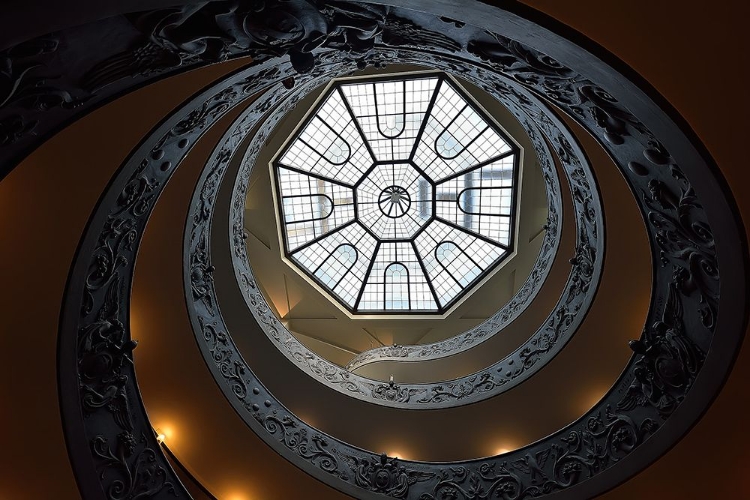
668, 364
385, 475
685, 239
136, 473
104, 349
311, 446
488, 481
175, 37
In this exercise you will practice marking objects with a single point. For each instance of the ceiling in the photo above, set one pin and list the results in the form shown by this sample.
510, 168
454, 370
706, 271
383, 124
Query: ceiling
709, 463
325, 328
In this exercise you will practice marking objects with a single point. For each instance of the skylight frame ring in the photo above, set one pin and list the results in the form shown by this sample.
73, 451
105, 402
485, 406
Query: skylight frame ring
507, 225
383, 199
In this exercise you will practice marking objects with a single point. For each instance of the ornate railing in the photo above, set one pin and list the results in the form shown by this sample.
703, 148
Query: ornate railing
695, 322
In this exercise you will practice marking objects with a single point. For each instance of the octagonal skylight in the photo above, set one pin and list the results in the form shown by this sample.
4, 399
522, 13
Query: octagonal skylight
397, 194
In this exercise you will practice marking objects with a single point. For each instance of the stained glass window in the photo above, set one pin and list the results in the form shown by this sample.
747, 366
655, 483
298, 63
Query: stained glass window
397, 194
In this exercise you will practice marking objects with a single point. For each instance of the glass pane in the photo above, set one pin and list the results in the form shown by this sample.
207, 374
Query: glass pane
397, 194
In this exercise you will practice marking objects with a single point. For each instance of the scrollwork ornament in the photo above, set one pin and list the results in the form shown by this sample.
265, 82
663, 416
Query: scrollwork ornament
386, 475
488, 481
136, 475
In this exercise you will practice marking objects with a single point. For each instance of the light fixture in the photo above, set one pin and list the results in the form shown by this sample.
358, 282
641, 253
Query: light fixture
505, 446
160, 436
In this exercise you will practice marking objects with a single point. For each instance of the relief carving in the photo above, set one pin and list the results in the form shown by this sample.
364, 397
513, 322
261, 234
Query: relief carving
669, 355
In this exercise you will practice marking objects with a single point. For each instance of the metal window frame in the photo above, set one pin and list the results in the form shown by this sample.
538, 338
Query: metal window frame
336, 86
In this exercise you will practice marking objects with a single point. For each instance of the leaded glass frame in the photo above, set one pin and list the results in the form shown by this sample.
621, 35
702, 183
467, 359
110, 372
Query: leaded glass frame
413, 175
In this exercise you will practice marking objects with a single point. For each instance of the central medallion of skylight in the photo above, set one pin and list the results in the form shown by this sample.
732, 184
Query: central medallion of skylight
394, 201
397, 194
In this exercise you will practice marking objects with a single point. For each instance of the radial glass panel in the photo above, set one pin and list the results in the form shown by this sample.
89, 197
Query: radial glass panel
397, 194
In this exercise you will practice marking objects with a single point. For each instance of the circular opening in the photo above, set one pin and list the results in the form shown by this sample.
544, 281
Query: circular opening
394, 202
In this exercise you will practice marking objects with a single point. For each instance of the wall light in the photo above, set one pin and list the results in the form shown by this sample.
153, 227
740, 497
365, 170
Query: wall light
236, 493
395, 454
165, 433
160, 436
505, 446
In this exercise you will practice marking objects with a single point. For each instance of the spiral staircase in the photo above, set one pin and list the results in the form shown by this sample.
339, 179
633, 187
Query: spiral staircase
158, 345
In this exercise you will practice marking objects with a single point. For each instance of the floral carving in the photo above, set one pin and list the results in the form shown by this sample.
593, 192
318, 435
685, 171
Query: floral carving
135, 476
488, 481
399, 32
27, 86
177, 37
393, 392
668, 364
103, 351
312, 447
685, 239
386, 475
